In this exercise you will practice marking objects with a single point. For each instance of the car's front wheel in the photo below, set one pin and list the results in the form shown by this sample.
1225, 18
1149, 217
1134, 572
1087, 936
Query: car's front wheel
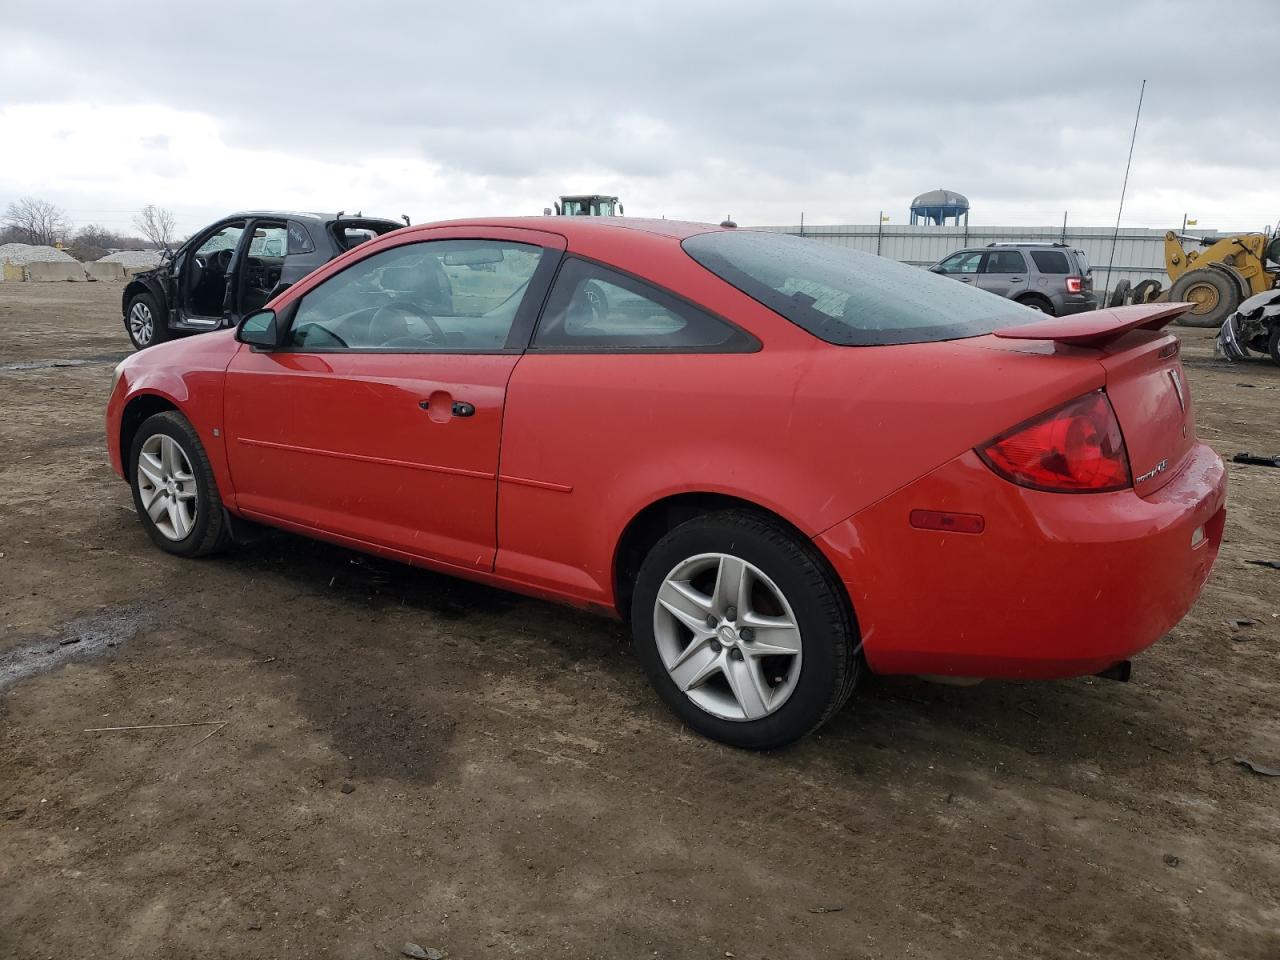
145, 324
743, 630
174, 490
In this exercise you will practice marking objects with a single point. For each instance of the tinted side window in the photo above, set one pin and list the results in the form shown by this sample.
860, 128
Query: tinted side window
439, 296
594, 308
1005, 261
1050, 261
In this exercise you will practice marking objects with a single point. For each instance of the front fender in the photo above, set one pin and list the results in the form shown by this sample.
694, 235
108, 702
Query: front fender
187, 376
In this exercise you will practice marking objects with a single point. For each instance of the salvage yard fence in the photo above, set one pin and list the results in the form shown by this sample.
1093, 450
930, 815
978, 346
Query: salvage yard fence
1139, 253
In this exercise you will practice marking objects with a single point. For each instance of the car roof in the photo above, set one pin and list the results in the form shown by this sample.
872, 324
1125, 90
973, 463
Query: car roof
306, 216
572, 228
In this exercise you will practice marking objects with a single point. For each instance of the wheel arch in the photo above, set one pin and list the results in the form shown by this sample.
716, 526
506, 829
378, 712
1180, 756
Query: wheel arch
137, 286
1242, 285
1025, 298
135, 413
655, 520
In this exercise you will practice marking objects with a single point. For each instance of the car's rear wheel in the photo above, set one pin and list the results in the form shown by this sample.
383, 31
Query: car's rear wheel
174, 490
145, 324
743, 630
1037, 303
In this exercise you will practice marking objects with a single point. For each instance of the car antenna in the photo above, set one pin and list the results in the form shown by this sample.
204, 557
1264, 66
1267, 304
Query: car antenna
405, 218
727, 222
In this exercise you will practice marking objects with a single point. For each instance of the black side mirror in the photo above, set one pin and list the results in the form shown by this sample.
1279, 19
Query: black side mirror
259, 330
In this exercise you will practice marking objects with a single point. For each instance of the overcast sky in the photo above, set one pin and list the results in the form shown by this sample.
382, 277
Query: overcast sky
689, 109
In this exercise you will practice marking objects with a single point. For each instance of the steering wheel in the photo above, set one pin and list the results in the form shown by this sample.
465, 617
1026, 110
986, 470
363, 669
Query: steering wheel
413, 310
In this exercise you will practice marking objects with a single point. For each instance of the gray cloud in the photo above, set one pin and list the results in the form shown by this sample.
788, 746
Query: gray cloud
702, 108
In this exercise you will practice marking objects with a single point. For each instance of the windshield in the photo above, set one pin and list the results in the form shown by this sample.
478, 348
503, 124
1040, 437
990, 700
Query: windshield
847, 297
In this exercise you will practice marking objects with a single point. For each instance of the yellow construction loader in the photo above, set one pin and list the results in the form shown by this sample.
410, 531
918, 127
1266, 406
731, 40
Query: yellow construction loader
1216, 278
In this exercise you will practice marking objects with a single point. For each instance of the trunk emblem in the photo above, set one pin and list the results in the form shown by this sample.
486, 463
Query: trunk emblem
1160, 467
1177, 389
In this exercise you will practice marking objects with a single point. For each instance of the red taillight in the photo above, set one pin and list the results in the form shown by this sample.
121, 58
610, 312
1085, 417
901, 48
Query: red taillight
1077, 448
1075, 284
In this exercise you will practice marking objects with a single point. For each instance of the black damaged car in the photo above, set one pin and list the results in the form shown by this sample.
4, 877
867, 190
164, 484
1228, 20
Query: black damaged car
233, 267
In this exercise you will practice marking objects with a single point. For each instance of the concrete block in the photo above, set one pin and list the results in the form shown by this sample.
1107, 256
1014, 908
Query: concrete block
48, 272
11, 273
104, 271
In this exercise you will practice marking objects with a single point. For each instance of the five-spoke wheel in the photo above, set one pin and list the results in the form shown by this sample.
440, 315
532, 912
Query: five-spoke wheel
743, 629
727, 636
167, 486
174, 489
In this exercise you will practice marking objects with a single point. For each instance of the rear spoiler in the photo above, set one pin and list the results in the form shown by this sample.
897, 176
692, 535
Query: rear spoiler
1100, 326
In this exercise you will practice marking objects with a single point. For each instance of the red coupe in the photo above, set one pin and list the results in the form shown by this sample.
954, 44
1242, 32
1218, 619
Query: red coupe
784, 461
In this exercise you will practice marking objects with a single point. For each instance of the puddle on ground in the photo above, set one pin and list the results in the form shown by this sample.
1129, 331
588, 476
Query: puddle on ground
77, 639
100, 358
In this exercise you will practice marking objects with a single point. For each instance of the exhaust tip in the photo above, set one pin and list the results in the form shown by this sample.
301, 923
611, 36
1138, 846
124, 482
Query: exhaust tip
1118, 671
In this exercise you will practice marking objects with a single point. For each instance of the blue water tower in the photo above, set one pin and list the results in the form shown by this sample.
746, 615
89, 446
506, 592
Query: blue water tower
940, 207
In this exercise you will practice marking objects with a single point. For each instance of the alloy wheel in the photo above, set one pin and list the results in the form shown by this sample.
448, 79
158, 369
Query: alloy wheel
167, 486
141, 324
727, 636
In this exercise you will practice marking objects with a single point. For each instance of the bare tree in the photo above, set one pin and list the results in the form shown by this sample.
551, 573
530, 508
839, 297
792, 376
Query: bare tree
36, 221
157, 225
93, 242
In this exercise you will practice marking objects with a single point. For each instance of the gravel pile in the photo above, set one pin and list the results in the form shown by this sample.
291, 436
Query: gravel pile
134, 258
23, 253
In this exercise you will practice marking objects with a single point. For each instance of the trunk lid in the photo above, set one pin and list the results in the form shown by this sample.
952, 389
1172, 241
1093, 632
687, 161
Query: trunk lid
1149, 394
1144, 381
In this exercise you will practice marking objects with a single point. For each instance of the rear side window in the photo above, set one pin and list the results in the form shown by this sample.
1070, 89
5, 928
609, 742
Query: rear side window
1005, 261
595, 309
299, 239
846, 297
1051, 261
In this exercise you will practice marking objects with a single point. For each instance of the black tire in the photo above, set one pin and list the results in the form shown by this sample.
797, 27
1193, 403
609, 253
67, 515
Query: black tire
210, 531
144, 304
831, 659
1038, 303
1120, 296
1215, 294
1146, 291
1273, 344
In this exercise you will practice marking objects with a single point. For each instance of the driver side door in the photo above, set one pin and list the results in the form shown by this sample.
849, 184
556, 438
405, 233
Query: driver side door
204, 287
377, 421
962, 266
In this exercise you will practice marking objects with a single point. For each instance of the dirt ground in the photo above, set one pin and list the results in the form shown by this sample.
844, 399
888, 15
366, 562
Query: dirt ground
407, 757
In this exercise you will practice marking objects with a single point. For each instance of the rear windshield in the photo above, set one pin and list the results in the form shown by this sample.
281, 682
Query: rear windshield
847, 297
1083, 261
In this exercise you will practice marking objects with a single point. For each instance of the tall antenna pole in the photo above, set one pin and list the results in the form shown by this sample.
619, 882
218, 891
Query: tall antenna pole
1106, 289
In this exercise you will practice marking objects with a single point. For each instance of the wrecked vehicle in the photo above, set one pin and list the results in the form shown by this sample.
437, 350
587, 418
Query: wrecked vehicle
231, 268
1255, 327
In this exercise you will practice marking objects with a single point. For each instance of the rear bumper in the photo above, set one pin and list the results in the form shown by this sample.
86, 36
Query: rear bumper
1056, 585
